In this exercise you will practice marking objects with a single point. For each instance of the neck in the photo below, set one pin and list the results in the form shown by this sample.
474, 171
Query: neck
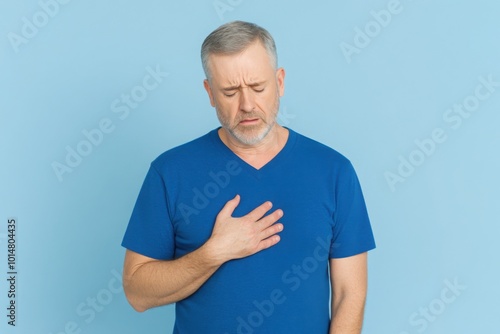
259, 154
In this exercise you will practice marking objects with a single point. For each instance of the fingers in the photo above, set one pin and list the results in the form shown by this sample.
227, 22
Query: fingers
229, 207
270, 219
259, 211
270, 228
254, 215
270, 231
269, 242
266, 225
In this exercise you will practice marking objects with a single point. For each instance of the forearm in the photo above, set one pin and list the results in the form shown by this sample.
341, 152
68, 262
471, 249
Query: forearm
157, 283
347, 314
149, 282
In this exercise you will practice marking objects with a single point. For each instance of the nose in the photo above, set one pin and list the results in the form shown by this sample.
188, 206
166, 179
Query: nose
247, 103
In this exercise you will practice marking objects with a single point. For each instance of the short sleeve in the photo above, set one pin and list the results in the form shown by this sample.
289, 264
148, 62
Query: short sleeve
352, 232
150, 232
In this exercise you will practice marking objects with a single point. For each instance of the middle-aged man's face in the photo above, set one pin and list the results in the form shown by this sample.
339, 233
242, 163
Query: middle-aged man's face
245, 90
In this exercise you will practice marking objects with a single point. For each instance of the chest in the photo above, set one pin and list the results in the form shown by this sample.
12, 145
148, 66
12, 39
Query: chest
305, 199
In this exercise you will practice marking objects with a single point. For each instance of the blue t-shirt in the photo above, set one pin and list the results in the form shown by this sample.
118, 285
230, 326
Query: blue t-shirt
283, 289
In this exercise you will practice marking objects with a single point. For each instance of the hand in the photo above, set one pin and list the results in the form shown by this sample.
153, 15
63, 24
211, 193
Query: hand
234, 238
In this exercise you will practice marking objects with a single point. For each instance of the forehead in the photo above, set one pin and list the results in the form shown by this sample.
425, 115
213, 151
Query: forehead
251, 64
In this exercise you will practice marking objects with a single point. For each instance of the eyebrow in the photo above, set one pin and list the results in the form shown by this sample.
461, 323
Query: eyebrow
255, 84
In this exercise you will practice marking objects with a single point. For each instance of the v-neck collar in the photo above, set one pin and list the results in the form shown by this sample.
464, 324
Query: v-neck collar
273, 163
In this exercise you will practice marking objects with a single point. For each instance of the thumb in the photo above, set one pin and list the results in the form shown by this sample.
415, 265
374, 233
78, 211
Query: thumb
229, 207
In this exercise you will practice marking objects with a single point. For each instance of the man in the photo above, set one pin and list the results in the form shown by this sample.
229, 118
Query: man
246, 227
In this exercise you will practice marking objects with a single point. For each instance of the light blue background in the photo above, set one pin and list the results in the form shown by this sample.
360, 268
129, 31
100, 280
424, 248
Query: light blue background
440, 224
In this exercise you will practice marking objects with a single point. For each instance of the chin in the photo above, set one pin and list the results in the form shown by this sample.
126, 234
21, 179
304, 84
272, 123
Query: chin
251, 136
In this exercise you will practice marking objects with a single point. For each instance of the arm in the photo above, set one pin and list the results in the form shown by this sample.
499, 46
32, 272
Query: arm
149, 282
349, 283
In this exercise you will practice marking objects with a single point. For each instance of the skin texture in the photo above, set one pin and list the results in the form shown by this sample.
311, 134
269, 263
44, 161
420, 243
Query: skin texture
245, 86
348, 278
244, 89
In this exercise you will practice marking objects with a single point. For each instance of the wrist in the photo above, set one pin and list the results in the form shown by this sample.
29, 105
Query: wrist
213, 255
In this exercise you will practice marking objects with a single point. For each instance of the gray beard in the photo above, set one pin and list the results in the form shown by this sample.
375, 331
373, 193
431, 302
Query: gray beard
253, 138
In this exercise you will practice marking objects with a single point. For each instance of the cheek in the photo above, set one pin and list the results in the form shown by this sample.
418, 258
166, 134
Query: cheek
268, 102
228, 108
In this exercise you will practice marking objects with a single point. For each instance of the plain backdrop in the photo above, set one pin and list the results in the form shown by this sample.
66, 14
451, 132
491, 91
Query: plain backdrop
372, 79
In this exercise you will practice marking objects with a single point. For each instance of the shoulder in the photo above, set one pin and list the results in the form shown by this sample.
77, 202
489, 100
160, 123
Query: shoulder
315, 151
186, 154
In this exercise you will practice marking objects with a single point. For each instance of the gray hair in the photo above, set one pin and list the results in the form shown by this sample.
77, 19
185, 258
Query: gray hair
234, 37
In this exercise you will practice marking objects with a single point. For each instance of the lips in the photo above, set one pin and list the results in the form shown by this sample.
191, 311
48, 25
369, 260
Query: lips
250, 120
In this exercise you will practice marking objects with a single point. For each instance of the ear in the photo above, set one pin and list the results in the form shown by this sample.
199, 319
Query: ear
206, 84
280, 78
